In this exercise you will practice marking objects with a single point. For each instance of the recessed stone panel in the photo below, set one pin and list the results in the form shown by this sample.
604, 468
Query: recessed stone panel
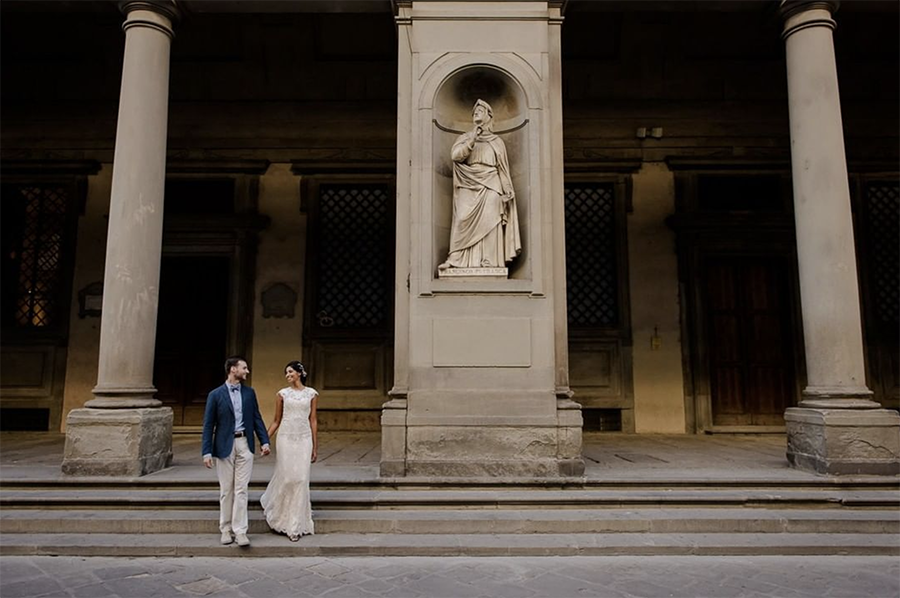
474, 443
480, 342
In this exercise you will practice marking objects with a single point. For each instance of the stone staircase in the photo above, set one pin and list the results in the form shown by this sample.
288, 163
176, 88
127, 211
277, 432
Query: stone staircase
408, 517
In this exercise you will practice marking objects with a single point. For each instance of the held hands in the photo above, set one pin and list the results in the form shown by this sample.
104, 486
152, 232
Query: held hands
265, 450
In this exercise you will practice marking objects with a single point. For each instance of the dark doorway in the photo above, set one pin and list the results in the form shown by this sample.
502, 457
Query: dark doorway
741, 324
749, 336
191, 333
599, 321
349, 329
878, 250
37, 249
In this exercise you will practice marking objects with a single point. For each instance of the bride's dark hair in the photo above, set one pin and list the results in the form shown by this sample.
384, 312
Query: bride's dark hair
298, 367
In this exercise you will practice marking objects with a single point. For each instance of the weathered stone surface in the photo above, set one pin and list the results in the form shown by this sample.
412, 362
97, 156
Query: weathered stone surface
569, 443
393, 439
471, 443
570, 438
117, 442
495, 468
492, 451
844, 441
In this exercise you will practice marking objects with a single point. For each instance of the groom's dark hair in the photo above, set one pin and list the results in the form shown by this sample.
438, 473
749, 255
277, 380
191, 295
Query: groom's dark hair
232, 362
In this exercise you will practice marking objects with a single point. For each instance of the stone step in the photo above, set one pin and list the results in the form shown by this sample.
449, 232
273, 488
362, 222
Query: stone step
469, 521
584, 544
166, 498
337, 478
195, 476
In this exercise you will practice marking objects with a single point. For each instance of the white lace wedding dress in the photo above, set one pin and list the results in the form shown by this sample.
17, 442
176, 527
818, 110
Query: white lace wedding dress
286, 499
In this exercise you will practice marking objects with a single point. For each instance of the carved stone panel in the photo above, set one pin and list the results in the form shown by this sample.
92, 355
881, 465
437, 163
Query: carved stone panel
279, 301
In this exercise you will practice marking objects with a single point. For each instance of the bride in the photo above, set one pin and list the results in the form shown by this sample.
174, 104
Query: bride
286, 499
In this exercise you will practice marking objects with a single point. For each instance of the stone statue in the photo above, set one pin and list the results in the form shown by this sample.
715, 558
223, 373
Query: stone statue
484, 232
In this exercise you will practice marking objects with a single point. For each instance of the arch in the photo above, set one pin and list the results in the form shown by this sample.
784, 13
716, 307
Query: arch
448, 66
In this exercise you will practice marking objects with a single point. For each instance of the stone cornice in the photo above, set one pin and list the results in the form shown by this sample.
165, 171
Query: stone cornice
216, 166
694, 163
789, 8
167, 8
50, 167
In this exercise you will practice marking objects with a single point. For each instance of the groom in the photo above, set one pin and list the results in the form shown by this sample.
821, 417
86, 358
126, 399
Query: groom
231, 417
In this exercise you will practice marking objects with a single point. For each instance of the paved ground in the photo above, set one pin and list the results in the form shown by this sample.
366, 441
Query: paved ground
556, 577
354, 457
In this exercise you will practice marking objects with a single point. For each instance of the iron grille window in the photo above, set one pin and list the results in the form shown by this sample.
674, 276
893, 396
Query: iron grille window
354, 233
591, 264
34, 230
883, 205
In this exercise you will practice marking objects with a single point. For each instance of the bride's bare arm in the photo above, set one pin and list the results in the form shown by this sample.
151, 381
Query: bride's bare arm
279, 412
314, 426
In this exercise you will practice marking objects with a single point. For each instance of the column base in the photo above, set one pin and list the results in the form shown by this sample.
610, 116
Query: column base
393, 439
571, 424
117, 442
494, 445
495, 452
843, 441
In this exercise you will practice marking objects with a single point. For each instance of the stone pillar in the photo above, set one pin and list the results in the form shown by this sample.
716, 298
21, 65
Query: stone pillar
568, 412
480, 364
393, 416
837, 429
124, 430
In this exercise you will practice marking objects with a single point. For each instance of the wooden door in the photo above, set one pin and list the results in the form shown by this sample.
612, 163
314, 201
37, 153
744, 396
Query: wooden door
749, 340
191, 333
37, 248
597, 301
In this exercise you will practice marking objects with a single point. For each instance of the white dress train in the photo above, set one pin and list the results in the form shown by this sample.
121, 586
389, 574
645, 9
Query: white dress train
286, 499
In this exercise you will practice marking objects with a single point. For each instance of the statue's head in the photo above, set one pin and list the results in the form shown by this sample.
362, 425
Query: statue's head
483, 115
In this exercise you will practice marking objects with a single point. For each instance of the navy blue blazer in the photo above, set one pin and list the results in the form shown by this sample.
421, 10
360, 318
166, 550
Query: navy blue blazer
218, 422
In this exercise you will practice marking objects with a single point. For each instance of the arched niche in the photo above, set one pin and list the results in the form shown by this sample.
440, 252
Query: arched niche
452, 116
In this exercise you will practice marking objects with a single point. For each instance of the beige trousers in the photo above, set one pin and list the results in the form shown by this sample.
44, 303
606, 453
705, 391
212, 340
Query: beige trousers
234, 478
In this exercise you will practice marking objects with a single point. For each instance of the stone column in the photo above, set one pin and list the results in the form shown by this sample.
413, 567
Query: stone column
125, 430
837, 428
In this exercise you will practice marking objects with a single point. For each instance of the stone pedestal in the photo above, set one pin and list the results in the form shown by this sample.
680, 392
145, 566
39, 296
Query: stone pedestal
837, 428
117, 442
481, 354
844, 441
474, 273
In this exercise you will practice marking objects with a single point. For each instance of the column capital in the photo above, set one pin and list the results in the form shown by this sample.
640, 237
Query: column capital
801, 14
790, 8
167, 8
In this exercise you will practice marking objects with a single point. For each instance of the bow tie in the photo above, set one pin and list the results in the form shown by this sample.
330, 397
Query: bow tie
233, 388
